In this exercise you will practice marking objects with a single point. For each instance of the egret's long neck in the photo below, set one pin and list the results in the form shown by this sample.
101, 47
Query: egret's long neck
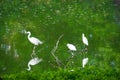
29, 68
29, 35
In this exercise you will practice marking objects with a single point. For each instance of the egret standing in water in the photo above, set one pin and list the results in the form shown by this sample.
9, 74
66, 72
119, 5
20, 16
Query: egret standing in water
84, 39
71, 47
33, 61
84, 62
34, 41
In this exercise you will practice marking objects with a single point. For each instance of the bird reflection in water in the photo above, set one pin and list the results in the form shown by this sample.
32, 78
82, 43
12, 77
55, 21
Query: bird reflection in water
33, 61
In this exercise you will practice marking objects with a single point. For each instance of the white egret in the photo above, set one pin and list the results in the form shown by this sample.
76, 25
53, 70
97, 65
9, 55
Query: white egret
84, 39
33, 61
84, 62
71, 47
33, 40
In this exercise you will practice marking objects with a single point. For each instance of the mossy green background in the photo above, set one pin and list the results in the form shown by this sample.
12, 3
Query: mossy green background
47, 20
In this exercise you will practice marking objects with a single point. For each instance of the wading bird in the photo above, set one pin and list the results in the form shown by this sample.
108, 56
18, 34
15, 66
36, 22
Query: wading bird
84, 39
33, 40
33, 61
84, 62
71, 47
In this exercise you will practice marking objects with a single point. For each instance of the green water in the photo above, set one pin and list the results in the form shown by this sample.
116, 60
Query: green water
47, 20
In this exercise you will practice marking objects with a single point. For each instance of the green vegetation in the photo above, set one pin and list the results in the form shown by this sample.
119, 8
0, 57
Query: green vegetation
90, 73
47, 20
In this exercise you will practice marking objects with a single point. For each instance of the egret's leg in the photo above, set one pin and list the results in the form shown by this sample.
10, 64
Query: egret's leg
34, 48
71, 52
84, 46
33, 53
84, 50
32, 56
